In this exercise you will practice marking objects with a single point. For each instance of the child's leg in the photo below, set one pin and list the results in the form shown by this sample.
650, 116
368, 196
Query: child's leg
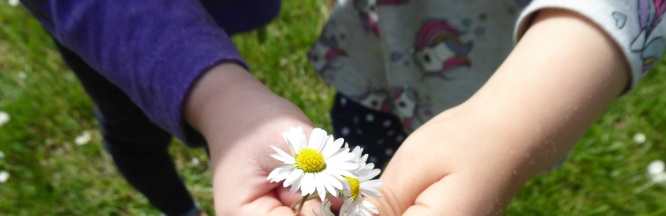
138, 147
380, 134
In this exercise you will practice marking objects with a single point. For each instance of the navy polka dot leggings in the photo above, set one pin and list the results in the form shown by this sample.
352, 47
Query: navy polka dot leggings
378, 133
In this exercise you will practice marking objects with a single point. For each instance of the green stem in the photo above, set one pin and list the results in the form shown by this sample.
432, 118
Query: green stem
300, 205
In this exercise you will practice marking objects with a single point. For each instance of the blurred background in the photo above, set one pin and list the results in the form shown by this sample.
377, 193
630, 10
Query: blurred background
52, 161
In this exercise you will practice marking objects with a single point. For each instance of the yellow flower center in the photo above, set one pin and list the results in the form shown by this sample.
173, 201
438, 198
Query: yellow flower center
355, 187
310, 160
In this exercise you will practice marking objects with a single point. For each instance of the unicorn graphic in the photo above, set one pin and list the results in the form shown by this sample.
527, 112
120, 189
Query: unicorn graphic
439, 48
367, 11
650, 13
406, 107
375, 98
324, 54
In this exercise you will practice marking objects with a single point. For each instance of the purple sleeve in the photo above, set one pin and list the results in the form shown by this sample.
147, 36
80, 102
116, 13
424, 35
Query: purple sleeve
153, 50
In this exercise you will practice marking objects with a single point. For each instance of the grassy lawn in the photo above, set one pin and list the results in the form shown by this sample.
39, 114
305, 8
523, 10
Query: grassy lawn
52, 175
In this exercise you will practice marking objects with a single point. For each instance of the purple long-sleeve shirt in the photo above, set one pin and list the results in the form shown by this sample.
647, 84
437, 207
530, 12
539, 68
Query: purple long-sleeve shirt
154, 50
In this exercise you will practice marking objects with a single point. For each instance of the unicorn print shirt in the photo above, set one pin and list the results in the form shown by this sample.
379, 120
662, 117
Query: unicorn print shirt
416, 58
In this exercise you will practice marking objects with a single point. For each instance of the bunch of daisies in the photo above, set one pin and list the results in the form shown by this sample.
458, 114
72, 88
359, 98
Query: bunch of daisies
324, 165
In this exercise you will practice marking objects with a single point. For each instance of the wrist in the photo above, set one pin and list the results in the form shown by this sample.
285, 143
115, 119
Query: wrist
228, 103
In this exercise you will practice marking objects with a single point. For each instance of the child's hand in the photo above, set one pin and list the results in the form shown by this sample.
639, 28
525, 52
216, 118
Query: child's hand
472, 159
449, 166
240, 165
240, 119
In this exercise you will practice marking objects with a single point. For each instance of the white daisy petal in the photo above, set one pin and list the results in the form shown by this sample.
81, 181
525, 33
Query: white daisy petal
282, 156
340, 182
296, 185
295, 139
364, 158
293, 176
317, 139
283, 174
345, 207
280, 173
344, 166
357, 150
308, 185
341, 157
331, 183
279, 157
272, 176
370, 174
321, 189
369, 206
330, 148
371, 192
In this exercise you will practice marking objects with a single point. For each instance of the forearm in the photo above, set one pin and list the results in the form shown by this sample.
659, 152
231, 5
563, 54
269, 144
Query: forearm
240, 118
237, 100
556, 82
151, 50
559, 79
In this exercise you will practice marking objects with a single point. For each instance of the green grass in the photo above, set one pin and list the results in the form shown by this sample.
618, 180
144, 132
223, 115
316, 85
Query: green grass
50, 175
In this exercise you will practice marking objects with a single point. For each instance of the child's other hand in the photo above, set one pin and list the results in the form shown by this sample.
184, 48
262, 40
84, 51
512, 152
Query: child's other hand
240, 118
447, 167
470, 160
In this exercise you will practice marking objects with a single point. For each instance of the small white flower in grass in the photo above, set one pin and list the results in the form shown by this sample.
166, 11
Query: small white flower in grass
82, 139
317, 165
659, 178
22, 75
4, 175
360, 187
4, 118
656, 167
14, 3
195, 161
656, 173
2, 155
639, 138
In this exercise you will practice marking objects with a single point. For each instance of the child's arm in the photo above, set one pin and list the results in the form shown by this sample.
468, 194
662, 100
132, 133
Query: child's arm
240, 118
472, 159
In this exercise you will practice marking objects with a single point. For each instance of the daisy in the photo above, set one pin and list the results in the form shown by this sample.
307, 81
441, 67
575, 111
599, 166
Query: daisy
360, 187
656, 167
22, 76
195, 161
4, 175
656, 172
14, 3
4, 118
82, 139
317, 165
640, 138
